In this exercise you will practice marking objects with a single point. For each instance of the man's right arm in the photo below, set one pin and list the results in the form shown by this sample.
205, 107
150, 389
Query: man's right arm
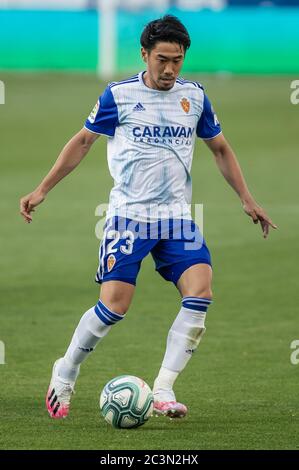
69, 158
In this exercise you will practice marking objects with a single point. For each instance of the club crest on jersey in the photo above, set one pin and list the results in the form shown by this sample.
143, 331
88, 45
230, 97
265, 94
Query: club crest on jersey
93, 113
185, 103
110, 262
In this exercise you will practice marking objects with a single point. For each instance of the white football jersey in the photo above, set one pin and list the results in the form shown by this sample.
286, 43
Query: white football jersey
151, 136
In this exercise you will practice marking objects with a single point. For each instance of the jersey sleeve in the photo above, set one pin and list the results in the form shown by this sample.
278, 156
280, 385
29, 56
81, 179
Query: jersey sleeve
103, 119
208, 125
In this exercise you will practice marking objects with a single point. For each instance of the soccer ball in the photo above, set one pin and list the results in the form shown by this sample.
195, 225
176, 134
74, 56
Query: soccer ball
126, 402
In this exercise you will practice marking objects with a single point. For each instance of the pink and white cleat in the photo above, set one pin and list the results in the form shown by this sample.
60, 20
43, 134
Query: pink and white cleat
59, 395
172, 409
165, 404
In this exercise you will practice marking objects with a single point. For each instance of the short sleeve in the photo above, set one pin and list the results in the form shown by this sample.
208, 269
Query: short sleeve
103, 119
208, 125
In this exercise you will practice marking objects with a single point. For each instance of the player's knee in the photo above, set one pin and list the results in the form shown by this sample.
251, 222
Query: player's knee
117, 297
207, 293
201, 292
119, 306
116, 301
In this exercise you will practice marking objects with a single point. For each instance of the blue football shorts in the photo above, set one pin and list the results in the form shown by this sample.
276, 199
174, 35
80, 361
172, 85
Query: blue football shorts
175, 245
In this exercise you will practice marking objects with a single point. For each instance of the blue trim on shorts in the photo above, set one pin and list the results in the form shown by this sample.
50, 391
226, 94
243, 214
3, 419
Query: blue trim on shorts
117, 278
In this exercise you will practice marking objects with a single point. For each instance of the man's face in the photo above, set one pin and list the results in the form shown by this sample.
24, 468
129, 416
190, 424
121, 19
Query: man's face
164, 63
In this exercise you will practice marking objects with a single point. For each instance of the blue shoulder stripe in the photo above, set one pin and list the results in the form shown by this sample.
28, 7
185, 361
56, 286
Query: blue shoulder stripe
122, 82
199, 85
129, 78
182, 81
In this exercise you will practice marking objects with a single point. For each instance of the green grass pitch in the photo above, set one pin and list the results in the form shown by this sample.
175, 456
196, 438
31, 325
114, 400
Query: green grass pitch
240, 387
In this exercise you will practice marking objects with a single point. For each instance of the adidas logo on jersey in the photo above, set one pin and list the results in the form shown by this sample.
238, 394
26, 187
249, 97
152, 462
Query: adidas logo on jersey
139, 107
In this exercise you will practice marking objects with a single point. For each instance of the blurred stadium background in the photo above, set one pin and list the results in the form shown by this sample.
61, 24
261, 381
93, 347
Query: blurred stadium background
85, 35
241, 388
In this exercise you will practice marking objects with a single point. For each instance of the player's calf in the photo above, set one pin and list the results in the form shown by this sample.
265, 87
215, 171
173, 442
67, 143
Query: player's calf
183, 339
93, 326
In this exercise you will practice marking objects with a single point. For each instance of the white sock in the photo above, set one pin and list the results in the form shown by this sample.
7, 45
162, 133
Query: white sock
183, 338
93, 326
163, 385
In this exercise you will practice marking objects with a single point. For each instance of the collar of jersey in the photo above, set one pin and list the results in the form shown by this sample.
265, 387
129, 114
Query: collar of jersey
140, 76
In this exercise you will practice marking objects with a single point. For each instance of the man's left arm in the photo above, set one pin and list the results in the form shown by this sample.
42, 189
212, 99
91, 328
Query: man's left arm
230, 168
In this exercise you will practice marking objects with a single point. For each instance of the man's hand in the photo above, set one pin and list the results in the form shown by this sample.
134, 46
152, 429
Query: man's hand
258, 215
29, 202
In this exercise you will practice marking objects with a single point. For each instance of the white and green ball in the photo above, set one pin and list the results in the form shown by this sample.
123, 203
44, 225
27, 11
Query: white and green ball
126, 402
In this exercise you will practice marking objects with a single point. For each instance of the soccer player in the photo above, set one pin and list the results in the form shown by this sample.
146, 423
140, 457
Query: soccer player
151, 121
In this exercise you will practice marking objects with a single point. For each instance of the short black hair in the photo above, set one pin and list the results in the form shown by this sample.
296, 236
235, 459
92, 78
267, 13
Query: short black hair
166, 29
